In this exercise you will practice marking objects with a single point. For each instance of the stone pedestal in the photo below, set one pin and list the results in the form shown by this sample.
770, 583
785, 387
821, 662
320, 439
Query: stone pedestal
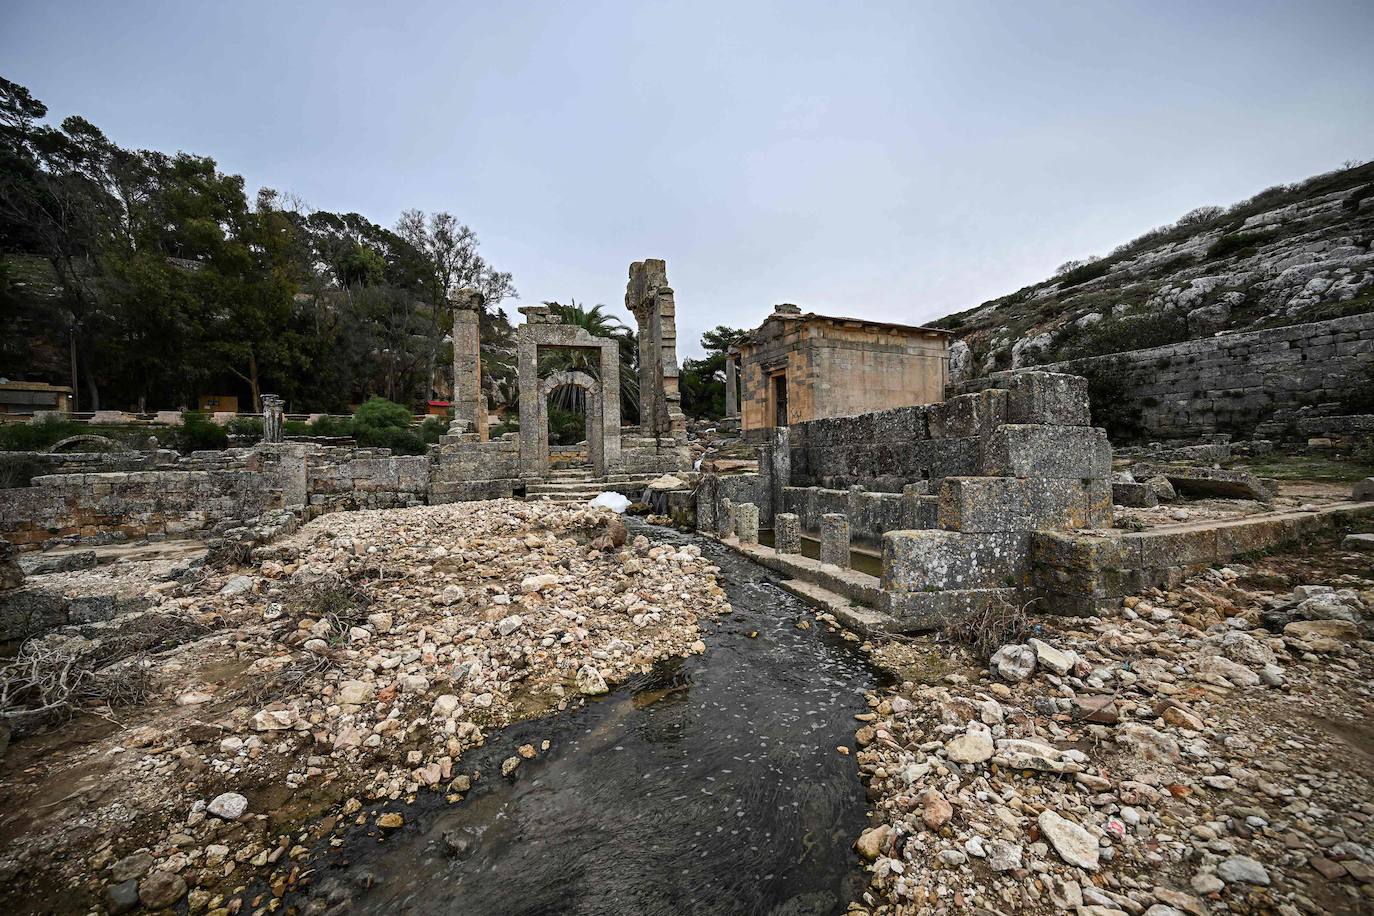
725, 518
787, 532
835, 539
747, 523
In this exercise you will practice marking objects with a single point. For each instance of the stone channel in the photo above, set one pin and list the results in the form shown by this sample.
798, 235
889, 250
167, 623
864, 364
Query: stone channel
712, 785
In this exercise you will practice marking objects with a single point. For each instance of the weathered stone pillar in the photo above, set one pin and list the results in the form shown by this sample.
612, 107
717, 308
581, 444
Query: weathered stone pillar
469, 403
787, 532
911, 503
532, 420
271, 418
747, 523
835, 539
731, 386
725, 517
650, 299
610, 407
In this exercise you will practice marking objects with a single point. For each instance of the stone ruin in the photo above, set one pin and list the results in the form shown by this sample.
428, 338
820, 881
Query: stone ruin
998, 496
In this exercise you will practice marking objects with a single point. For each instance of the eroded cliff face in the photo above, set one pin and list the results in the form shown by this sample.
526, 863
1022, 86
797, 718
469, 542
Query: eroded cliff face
1289, 255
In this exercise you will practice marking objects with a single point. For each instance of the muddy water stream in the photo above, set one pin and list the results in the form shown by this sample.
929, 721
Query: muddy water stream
712, 785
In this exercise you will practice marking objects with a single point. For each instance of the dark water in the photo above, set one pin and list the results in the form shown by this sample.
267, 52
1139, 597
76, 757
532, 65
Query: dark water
863, 561
711, 786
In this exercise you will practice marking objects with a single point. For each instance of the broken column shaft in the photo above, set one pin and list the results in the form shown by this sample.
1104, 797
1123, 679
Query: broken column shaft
835, 539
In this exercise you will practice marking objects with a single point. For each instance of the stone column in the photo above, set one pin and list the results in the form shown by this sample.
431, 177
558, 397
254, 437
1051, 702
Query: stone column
835, 539
731, 386
531, 404
725, 517
787, 532
271, 418
469, 403
610, 407
747, 523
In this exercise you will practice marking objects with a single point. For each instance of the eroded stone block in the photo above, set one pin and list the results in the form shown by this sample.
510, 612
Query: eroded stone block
1081, 452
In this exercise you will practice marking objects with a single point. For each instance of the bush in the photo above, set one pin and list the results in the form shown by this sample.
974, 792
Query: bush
1135, 332
1082, 274
245, 427
566, 427
332, 427
1111, 401
35, 437
1235, 242
432, 428
379, 413
199, 433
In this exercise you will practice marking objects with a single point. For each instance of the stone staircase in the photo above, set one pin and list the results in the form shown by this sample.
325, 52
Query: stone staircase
578, 485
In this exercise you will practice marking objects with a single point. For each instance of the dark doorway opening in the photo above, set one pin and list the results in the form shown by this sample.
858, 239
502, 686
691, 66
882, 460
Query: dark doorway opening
780, 400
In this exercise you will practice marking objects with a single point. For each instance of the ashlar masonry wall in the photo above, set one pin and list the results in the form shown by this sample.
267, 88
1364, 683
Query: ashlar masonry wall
1234, 383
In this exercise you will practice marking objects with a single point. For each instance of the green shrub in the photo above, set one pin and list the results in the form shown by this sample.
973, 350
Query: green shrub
566, 427
379, 413
1136, 332
432, 428
1082, 274
1111, 401
199, 433
295, 428
35, 437
333, 427
245, 427
1236, 242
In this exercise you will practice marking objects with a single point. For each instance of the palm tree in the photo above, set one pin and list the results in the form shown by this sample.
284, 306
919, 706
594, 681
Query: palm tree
597, 322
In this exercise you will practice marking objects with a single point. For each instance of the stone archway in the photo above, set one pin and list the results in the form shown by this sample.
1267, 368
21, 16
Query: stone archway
102, 443
542, 331
591, 390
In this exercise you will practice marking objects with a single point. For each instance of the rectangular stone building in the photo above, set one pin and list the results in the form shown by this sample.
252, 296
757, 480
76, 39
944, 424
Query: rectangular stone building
797, 367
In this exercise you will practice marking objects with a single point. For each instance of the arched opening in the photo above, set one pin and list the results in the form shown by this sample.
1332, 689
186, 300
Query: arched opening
571, 429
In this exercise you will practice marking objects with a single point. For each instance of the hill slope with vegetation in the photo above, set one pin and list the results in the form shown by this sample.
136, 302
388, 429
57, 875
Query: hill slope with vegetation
1290, 254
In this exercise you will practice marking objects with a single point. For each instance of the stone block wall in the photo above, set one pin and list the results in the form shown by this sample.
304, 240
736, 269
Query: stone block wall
1072, 574
368, 479
1233, 383
959, 489
465, 468
131, 504
652, 455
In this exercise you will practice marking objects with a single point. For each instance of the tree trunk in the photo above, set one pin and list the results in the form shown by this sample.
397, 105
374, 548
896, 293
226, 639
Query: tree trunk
253, 382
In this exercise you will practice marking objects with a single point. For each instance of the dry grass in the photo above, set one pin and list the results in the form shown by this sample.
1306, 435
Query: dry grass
998, 623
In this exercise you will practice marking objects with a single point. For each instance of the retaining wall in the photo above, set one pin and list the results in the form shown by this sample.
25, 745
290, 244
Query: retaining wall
1232, 383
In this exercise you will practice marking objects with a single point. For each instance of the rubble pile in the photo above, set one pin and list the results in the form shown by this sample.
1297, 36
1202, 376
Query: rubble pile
1203, 750
359, 661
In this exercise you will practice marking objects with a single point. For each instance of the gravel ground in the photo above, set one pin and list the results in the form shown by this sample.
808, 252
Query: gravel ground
358, 661
1204, 750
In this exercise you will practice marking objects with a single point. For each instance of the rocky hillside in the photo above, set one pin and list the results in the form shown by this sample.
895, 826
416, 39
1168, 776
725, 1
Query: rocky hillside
1290, 254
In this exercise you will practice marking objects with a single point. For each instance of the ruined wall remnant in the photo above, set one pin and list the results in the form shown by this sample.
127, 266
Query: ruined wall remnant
651, 300
964, 486
1245, 384
469, 402
797, 367
132, 504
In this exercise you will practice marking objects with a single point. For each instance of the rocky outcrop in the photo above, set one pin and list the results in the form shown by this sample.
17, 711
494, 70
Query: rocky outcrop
1289, 255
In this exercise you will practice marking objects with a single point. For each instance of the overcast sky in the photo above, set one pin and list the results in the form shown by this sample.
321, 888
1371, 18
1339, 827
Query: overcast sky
897, 161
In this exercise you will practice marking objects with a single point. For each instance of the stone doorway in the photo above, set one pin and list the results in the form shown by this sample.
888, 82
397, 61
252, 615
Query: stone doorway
592, 408
543, 331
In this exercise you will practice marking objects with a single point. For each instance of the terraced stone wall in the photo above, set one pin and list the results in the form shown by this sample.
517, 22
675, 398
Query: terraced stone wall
1234, 383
